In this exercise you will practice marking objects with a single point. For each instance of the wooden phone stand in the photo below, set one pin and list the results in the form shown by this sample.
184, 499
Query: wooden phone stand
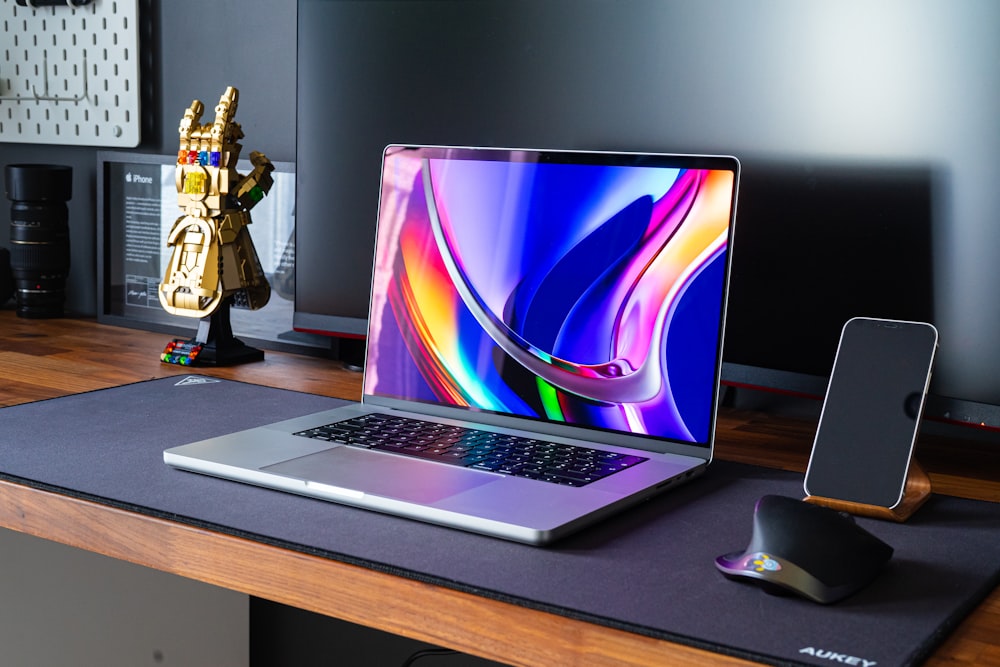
916, 491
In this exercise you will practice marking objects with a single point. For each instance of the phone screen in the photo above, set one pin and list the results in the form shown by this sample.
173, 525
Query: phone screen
872, 411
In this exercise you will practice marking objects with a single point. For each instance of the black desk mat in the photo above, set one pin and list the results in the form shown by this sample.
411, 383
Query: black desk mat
649, 570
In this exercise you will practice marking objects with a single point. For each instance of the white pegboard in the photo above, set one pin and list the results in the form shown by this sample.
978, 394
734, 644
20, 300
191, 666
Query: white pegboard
70, 75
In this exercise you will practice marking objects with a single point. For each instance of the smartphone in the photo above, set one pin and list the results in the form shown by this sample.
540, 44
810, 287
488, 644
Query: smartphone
871, 414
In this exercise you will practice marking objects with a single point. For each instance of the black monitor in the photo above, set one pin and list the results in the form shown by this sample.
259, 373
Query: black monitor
867, 135
817, 243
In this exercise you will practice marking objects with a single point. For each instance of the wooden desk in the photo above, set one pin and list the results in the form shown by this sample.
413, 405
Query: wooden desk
49, 358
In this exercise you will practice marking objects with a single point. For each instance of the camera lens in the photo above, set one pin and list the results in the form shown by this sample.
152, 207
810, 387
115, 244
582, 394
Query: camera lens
6, 280
39, 236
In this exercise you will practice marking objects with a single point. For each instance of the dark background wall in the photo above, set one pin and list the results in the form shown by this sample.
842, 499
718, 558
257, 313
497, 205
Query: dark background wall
899, 82
190, 50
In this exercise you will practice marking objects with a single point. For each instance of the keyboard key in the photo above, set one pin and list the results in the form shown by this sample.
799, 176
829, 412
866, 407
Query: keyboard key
569, 465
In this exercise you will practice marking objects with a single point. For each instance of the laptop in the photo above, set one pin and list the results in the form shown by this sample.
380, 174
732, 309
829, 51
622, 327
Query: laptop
557, 315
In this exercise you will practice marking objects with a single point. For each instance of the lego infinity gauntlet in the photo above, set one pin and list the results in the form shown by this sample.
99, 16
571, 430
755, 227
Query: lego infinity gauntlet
213, 256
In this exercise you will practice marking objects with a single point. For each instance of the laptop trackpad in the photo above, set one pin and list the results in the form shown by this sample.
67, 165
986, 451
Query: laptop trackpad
386, 475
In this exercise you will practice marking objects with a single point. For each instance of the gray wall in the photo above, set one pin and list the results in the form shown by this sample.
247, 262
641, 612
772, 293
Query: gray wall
191, 49
63, 606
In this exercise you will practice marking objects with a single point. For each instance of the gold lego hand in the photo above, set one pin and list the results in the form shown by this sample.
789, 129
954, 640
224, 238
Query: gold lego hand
224, 130
191, 286
213, 255
255, 185
189, 123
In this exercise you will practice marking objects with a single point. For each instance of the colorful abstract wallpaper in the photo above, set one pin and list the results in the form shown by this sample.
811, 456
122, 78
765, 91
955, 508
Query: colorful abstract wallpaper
585, 293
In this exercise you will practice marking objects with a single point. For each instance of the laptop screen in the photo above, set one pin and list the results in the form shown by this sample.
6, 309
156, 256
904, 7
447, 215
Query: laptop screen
579, 288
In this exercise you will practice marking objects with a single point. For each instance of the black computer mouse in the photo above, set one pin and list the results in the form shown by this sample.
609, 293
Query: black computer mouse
805, 549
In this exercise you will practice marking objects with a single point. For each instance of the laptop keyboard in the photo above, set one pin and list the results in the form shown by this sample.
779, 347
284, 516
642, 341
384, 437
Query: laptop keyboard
571, 465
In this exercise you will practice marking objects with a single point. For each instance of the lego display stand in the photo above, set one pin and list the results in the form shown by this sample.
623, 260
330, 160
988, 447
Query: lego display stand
213, 345
916, 491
